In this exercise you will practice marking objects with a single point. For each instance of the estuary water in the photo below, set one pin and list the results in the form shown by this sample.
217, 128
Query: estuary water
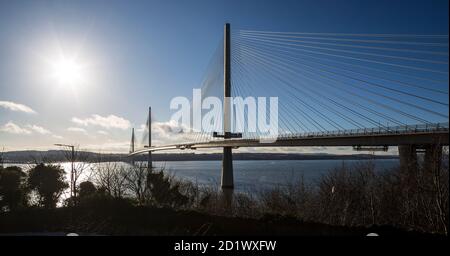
254, 174
262, 174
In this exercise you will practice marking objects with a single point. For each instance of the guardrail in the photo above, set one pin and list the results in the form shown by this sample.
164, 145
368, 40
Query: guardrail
403, 129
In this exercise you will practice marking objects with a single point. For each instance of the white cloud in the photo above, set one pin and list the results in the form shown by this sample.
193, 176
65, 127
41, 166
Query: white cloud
141, 128
38, 129
58, 137
165, 133
111, 121
102, 132
16, 107
168, 129
77, 129
13, 128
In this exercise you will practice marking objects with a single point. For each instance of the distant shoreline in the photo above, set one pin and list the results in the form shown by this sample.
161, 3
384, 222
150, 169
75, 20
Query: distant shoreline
58, 156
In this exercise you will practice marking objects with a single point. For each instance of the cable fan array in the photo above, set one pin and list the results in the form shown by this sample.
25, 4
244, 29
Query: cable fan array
331, 82
337, 82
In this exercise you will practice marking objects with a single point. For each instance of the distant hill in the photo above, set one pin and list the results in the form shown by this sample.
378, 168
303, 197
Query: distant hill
59, 155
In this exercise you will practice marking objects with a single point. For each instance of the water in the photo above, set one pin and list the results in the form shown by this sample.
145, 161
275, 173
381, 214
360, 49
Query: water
249, 175
263, 173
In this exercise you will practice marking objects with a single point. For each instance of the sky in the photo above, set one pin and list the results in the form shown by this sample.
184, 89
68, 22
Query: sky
135, 54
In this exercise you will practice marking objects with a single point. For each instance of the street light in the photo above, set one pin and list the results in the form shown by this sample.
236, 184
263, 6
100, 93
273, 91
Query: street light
72, 173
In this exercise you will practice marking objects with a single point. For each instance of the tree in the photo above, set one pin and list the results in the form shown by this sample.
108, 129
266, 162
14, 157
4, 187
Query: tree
48, 181
136, 182
79, 161
12, 192
164, 191
110, 177
86, 189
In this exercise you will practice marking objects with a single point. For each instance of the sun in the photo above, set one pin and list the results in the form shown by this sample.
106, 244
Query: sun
67, 71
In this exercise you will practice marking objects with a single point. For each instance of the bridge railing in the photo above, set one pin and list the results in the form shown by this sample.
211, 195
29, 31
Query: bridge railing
403, 129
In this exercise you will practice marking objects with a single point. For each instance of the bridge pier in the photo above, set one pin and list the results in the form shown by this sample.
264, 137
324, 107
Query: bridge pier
433, 158
227, 179
431, 162
408, 157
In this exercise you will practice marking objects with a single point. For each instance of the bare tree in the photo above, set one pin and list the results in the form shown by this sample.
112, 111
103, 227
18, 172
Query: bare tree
80, 160
136, 181
110, 177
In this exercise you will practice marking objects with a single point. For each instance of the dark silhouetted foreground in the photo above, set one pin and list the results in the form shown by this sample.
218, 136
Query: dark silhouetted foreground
131, 200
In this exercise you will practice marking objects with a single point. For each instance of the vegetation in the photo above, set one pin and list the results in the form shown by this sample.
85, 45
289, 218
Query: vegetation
48, 183
349, 196
12, 192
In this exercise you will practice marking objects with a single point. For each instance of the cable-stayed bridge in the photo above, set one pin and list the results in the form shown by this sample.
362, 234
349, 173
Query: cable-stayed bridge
369, 91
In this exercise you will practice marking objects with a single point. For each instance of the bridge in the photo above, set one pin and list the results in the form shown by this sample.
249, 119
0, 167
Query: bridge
366, 91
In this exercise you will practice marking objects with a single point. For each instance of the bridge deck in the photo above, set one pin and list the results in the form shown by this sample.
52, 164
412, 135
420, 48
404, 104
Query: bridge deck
417, 135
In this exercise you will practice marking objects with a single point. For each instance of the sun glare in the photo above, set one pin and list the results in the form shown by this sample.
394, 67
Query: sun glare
67, 71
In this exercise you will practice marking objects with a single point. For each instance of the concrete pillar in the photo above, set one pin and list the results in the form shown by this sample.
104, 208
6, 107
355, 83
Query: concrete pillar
227, 181
433, 158
408, 157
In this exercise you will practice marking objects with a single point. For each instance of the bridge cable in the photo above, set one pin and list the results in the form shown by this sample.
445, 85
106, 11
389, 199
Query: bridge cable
308, 119
345, 51
360, 73
359, 105
288, 124
354, 58
375, 84
380, 104
338, 104
376, 93
355, 46
243, 32
332, 110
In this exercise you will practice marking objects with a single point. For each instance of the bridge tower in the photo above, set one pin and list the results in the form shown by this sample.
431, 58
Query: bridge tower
227, 182
132, 141
149, 158
132, 145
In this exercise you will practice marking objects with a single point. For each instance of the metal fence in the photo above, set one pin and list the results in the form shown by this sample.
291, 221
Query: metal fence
401, 129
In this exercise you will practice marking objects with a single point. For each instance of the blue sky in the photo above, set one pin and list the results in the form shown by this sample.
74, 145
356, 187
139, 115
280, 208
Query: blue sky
141, 53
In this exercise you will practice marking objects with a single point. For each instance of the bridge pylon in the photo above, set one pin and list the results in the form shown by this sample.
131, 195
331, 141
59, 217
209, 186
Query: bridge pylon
227, 179
132, 145
149, 158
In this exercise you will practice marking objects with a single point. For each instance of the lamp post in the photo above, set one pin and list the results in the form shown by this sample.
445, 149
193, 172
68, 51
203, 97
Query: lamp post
72, 172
